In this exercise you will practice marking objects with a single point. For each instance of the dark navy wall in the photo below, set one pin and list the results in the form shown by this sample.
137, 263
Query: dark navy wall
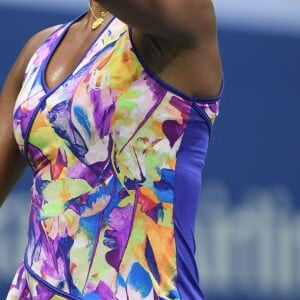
254, 150
255, 141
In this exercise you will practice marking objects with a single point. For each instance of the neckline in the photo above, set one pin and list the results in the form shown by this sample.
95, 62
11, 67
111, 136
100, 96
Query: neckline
54, 47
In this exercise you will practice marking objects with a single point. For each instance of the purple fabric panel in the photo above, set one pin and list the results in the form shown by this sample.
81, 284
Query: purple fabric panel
189, 166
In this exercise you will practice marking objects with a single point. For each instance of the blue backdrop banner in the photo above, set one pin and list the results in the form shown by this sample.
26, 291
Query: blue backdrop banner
248, 227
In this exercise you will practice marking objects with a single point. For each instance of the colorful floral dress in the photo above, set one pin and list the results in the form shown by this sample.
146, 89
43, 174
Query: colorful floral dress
117, 156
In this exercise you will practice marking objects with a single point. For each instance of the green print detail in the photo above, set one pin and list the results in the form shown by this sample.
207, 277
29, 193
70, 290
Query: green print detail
51, 210
125, 100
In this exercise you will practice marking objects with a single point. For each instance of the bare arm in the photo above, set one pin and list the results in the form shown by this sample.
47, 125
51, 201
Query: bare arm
12, 163
187, 21
179, 34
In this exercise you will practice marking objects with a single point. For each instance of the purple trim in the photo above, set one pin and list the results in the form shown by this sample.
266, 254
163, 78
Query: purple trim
204, 115
55, 46
49, 92
167, 86
48, 285
28, 129
189, 166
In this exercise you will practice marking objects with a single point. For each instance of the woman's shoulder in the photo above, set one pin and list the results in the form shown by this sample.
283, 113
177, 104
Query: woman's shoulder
30, 47
15, 77
34, 43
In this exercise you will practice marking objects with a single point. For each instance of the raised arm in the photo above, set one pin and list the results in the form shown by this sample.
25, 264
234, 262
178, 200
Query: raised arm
177, 39
188, 21
12, 163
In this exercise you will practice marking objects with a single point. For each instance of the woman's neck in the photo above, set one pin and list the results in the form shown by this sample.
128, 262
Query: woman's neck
96, 15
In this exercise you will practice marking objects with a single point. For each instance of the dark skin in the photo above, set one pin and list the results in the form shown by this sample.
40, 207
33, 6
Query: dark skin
177, 39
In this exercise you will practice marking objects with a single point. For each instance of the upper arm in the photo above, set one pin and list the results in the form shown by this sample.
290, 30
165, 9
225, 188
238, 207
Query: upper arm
188, 21
12, 163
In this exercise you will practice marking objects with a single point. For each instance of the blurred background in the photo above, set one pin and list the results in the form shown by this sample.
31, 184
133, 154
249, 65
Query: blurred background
248, 227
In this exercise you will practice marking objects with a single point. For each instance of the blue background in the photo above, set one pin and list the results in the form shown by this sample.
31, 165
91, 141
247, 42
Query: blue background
248, 229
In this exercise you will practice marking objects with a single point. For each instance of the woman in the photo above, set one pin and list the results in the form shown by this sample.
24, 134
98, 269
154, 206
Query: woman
114, 120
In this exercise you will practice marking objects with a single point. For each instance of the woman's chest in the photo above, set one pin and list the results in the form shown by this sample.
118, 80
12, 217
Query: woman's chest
111, 105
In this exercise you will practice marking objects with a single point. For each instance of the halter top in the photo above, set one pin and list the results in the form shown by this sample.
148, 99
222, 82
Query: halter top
117, 156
